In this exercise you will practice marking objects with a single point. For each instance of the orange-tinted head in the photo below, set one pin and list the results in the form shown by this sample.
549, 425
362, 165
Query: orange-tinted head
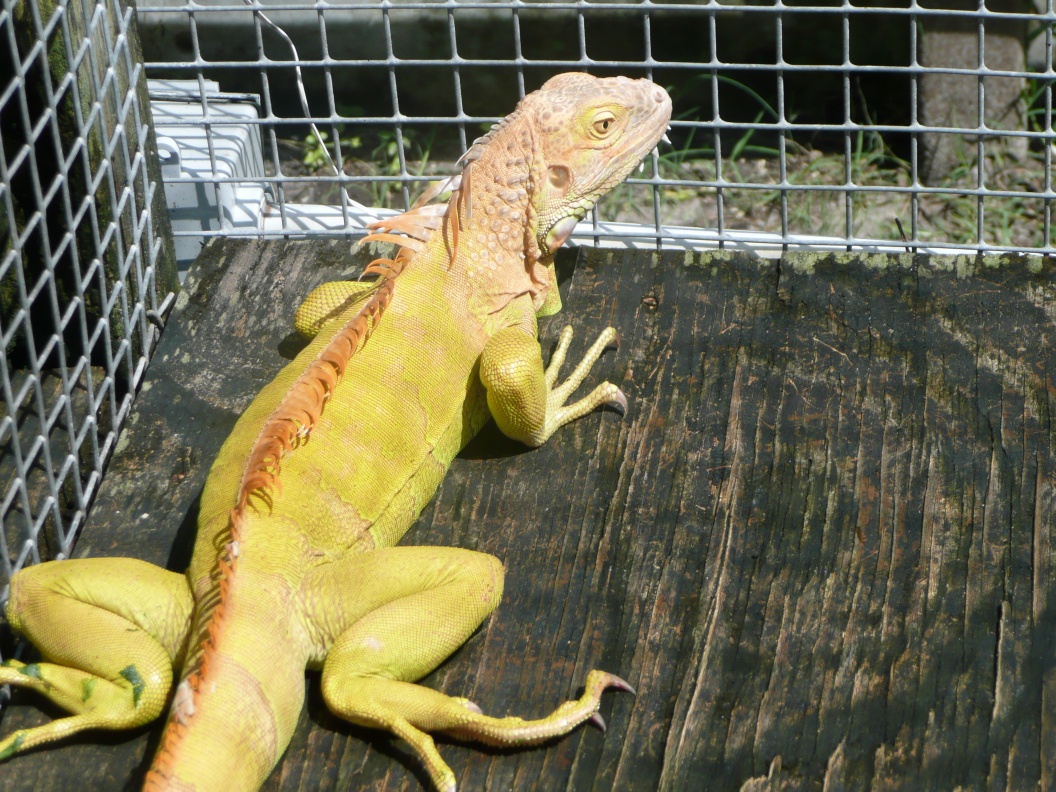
591, 133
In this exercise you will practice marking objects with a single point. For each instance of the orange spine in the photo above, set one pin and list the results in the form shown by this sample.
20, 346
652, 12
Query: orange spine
284, 430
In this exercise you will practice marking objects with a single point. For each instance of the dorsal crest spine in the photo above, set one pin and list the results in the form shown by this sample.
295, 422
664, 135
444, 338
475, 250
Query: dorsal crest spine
285, 429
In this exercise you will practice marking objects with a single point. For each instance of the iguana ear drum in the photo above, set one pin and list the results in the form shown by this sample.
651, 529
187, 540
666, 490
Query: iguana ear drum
559, 177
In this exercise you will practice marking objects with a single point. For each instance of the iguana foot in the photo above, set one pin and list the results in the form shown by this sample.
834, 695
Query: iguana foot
516, 732
412, 712
97, 703
605, 394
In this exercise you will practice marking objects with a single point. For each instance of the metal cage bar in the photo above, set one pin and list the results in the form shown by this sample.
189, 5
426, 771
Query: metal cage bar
759, 147
86, 267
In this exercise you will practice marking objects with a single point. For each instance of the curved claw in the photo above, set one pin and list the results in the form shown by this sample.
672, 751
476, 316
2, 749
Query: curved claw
598, 721
619, 402
620, 684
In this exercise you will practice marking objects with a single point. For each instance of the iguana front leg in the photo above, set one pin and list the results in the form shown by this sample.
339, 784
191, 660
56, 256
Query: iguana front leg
110, 630
525, 400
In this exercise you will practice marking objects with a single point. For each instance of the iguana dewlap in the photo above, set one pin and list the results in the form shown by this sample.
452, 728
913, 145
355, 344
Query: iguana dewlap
295, 566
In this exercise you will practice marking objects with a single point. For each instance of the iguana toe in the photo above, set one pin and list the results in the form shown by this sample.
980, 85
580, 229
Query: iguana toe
598, 721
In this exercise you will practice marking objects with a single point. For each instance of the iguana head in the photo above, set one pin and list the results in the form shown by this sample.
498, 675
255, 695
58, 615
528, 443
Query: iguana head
526, 183
589, 134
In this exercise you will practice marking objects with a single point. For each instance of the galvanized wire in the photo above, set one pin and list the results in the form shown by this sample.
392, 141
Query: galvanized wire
722, 182
78, 298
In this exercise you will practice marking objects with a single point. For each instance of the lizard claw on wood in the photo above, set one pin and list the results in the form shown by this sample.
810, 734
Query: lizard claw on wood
621, 684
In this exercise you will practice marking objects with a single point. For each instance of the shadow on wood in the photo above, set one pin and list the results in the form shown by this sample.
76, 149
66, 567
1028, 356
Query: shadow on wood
820, 544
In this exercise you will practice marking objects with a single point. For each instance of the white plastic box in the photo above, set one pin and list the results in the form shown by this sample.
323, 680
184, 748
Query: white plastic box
210, 153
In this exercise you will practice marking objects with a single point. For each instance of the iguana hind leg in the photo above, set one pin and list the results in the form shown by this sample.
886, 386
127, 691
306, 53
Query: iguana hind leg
420, 605
413, 712
109, 630
526, 401
395, 614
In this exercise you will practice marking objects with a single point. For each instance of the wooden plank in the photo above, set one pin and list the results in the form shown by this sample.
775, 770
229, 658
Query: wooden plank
820, 544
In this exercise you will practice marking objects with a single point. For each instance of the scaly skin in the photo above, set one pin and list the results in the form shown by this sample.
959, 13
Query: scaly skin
295, 566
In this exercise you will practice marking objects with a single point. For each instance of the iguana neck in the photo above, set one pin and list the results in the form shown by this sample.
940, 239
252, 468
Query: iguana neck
499, 252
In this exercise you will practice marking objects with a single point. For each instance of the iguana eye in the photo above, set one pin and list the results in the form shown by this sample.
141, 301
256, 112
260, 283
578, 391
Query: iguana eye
604, 123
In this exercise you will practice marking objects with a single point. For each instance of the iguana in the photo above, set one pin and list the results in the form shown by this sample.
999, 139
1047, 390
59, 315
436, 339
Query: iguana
295, 566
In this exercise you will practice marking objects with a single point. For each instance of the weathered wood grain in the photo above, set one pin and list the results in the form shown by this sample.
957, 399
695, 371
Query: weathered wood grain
820, 544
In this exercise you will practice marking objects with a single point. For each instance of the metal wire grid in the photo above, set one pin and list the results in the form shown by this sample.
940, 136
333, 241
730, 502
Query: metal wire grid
452, 57
78, 267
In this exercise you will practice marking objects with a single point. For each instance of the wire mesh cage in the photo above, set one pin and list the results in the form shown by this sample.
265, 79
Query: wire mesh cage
885, 125
872, 125
881, 125
86, 269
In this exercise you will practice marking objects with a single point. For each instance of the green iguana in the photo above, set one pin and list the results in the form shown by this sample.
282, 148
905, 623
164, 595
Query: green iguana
294, 566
